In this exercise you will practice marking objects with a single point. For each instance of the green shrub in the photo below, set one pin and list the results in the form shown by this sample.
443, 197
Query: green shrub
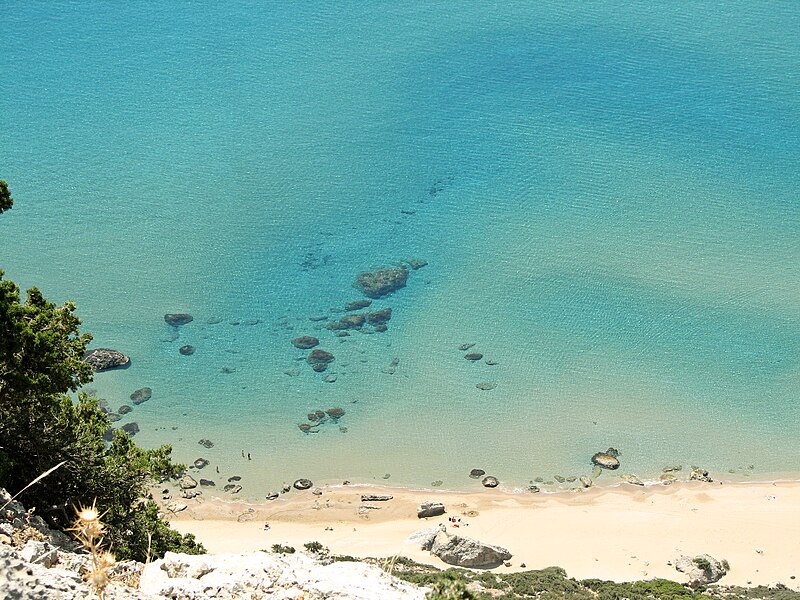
280, 549
315, 548
702, 563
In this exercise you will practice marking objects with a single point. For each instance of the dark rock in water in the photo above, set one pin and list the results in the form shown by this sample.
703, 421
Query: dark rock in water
214, 320
613, 452
473, 356
605, 460
200, 463
357, 305
304, 427
186, 350
206, 443
416, 263
312, 416
465, 347
141, 395
379, 283
227, 370
381, 327
318, 318
131, 428
477, 473
335, 413
292, 372
374, 498
178, 319
113, 417
234, 478
348, 322
305, 342
329, 378
379, 317
430, 509
103, 359
232, 488
319, 359
490, 481
109, 434
207, 483
124, 409
302, 484
491, 362
486, 385
272, 495
533, 489
251, 321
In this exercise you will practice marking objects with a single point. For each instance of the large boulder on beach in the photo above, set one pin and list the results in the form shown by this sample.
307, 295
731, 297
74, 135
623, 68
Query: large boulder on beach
178, 319
382, 282
103, 359
305, 342
702, 569
466, 552
430, 509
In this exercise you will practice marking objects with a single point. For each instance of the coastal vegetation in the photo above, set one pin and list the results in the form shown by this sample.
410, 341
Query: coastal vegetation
41, 425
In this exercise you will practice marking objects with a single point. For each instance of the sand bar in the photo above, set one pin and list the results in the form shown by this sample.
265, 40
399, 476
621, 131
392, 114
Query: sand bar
619, 533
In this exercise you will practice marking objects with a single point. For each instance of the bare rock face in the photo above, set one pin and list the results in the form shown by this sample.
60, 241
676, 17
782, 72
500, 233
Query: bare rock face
702, 569
382, 282
103, 359
466, 552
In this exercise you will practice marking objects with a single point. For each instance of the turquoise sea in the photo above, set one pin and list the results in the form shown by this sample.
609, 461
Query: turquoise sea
607, 195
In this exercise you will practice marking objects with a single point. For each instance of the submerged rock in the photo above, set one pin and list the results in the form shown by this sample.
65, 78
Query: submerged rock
348, 322
357, 305
335, 412
186, 350
477, 473
124, 409
206, 443
416, 263
486, 385
319, 359
141, 395
103, 359
473, 356
305, 342
382, 282
207, 483
379, 317
490, 482
178, 319
200, 463
131, 428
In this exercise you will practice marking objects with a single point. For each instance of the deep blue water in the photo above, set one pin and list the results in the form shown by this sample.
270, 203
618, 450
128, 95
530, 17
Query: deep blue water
614, 220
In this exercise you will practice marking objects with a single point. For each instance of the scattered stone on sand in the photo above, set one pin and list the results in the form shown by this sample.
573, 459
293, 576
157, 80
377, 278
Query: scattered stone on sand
490, 482
176, 506
357, 305
305, 342
667, 478
113, 417
103, 359
189, 494
187, 482
213, 321
207, 483
329, 378
200, 463
348, 322
381, 282
124, 409
131, 428
606, 460
379, 317
178, 319
477, 473
141, 395
491, 362
416, 263
430, 509
486, 385
632, 479
232, 488
302, 484
206, 443
585, 481
473, 356
319, 359
375, 498
702, 569
186, 350
234, 478
467, 346
699, 474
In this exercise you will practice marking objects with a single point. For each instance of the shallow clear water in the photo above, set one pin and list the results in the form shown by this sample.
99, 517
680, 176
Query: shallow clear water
615, 221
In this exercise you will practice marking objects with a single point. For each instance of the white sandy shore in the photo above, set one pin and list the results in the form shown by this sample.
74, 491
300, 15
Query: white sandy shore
623, 534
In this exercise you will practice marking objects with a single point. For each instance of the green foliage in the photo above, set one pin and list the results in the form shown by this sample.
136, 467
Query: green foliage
726, 565
315, 547
702, 563
5, 197
449, 587
41, 359
280, 549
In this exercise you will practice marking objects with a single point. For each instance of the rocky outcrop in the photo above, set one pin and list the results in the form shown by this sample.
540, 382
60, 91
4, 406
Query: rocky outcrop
702, 569
699, 474
302, 484
141, 395
466, 552
607, 459
375, 498
357, 305
319, 359
103, 359
305, 342
430, 509
379, 317
178, 319
382, 282
490, 482
477, 473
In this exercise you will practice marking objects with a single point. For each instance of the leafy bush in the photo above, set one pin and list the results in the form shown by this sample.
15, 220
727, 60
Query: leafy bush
280, 549
702, 563
315, 547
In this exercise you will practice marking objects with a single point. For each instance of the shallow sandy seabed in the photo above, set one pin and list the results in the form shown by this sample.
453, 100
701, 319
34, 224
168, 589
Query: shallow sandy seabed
622, 533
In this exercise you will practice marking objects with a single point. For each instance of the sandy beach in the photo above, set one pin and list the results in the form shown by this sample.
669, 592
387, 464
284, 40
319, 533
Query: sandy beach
621, 533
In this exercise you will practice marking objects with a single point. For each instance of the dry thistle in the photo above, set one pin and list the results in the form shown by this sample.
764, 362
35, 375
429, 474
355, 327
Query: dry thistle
90, 530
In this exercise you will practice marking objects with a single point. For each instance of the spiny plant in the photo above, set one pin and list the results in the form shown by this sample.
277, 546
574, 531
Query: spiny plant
90, 531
